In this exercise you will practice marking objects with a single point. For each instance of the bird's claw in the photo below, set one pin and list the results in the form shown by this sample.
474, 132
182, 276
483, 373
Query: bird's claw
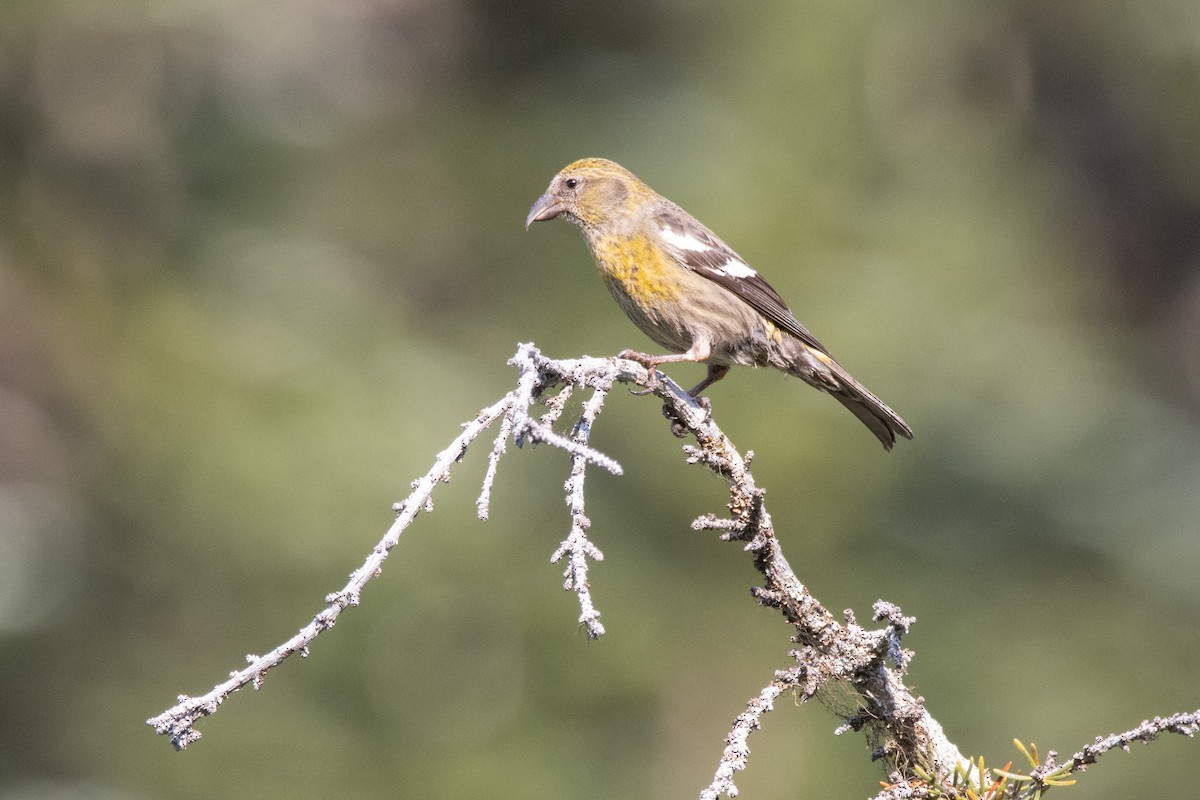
653, 382
678, 427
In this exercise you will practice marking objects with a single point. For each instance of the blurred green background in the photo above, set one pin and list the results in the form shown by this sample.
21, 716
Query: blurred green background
259, 261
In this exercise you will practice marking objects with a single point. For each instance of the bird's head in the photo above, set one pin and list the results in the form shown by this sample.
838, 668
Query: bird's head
589, 193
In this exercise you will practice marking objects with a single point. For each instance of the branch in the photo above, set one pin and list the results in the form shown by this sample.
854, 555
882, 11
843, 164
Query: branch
832, 651
844, 652
737, 748
177, 723
576, 548
870, 663
1186, 724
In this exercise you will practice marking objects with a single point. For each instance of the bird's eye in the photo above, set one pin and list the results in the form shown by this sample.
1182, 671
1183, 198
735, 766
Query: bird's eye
571, 183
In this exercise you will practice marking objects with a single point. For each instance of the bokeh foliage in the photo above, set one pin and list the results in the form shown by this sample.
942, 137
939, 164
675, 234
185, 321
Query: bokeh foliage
258, 261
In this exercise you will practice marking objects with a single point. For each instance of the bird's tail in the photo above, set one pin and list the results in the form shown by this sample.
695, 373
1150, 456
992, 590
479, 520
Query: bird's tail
874, 413
819, 369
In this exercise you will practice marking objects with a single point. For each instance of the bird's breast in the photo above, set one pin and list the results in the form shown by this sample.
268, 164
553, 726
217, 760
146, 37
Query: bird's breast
638, 267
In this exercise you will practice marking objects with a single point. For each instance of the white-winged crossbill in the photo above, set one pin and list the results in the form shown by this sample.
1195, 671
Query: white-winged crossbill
690, 292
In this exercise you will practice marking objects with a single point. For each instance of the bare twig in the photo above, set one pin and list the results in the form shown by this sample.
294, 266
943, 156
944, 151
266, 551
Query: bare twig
737, 748
483, 504
177, 722
576, 548
1187, 724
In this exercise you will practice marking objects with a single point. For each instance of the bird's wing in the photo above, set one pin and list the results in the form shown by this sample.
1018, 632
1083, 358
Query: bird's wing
701, 250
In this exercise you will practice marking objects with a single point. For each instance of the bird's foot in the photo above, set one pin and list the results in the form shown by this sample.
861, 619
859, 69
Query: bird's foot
653, 382
678, 428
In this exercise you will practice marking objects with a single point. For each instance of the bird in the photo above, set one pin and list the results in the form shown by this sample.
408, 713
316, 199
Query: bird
691, 293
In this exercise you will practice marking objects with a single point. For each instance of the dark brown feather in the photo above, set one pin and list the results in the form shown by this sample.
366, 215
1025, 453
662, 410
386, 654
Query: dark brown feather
711, 263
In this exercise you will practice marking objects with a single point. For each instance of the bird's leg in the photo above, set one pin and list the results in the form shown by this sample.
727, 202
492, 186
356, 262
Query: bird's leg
699, 351
715, 373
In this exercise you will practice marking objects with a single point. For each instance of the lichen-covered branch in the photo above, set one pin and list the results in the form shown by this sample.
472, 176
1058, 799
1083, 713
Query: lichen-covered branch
844, 651
1187, 724
832, 650
737, 747
576, 548
178, 722
867, 663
